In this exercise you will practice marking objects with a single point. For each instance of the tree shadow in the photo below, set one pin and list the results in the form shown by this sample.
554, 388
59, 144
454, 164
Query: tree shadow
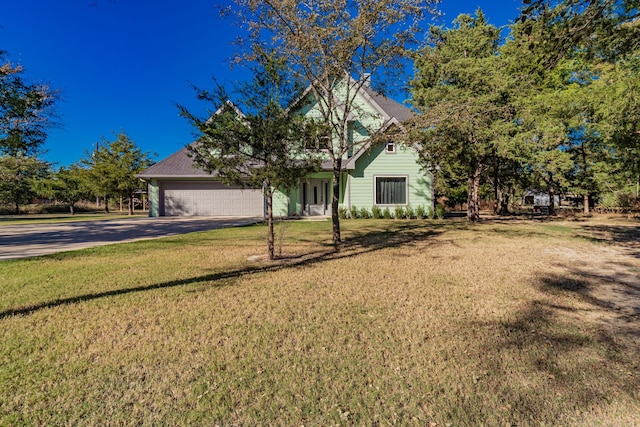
576, 368
360, 243
579, 342
615, 293
627, 236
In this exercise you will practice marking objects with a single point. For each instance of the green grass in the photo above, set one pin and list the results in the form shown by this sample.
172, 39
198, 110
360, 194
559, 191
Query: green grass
409, 323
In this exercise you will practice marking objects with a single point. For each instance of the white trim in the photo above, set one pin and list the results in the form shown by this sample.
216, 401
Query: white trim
394, 146
349, 191
375, 188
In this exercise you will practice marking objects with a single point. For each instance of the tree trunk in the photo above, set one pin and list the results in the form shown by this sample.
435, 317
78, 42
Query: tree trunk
497, 194
106, 204
335, 218
552, 200
131, 204
504, 203
270, 234
473, 200
586, 203
71, 210
17, 208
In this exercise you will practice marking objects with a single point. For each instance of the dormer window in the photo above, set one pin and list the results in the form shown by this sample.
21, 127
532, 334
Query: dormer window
390, 147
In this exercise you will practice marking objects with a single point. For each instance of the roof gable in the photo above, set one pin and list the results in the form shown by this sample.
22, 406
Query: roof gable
387, 108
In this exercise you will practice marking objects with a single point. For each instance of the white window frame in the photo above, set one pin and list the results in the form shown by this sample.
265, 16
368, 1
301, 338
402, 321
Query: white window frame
386, 147
375, 189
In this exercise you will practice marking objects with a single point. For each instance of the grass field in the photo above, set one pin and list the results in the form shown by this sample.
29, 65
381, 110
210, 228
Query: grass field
506, 322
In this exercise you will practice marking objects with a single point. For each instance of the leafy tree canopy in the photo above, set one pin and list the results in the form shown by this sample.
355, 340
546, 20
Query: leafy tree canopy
26, 111
113, 167
266, 145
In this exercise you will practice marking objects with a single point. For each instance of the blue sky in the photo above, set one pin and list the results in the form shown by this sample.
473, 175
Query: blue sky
121, 65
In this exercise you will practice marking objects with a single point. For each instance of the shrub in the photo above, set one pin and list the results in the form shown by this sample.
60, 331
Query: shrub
421, 213
376, 212
342, 212
410, 212
400, 212
386, 213
430, 213
353, 212
440, 211
364, 213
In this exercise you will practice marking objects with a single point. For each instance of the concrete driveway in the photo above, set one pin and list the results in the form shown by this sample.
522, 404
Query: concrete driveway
28, 240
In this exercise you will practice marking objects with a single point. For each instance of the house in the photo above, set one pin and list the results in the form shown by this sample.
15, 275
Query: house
381, 173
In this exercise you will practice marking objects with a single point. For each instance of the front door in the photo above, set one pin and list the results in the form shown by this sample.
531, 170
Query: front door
315, 197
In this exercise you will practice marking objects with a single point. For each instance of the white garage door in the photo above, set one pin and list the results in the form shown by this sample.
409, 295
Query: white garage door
184, 198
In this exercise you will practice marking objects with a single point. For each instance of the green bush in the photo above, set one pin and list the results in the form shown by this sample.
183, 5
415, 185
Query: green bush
421, 213
440, 210
400, 213
430, 213
376, 212
353, 212
618, 200
364, 213
410, 212
342, 212
386, 213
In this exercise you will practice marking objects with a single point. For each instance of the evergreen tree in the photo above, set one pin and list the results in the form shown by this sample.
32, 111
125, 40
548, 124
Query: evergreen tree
17, 177
262, 144
464, 101
113, 167
69, 185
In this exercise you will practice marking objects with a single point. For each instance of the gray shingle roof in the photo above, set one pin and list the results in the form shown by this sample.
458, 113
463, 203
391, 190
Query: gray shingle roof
177, 165
392, 108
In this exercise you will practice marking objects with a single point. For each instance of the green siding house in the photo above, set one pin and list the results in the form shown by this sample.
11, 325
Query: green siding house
379, 173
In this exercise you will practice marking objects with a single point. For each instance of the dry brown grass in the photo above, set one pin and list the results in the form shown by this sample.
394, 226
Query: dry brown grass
410, 323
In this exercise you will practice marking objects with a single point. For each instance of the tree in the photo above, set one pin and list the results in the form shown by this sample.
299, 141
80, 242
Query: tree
459, 89
613, 130
17, 177
113, 167
26, 111
327, 43
617, 115
572, 48
601, 28
263, 147
69, 185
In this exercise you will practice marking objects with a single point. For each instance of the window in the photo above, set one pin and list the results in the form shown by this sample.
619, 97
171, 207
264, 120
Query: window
390, 147
391, 190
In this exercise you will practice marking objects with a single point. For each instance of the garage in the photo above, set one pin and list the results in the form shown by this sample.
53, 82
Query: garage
209, 198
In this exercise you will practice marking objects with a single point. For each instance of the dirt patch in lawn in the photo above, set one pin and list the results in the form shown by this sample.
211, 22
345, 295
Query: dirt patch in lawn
604, 276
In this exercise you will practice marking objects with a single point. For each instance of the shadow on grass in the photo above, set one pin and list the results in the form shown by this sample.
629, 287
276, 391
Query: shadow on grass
360, 243
615, 293
584, 356
575, 367
626, 236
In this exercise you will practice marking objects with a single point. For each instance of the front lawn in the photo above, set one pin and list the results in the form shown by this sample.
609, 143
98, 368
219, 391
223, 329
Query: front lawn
410, 323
